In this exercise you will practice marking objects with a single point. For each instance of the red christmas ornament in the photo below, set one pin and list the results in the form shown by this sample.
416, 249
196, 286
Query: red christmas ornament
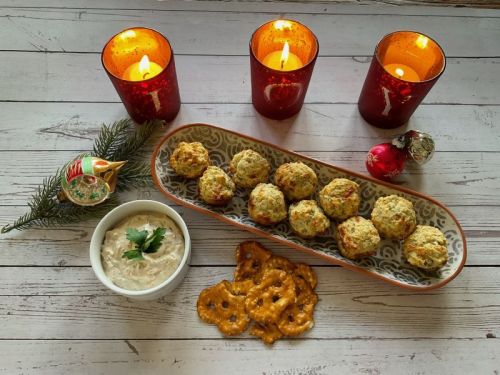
385, 161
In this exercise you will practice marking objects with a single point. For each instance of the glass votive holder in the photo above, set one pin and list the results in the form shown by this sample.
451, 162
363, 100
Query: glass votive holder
140, 64
282, 58
405, 66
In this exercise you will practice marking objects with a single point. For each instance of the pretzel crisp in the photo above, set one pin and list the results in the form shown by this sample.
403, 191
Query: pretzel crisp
250, 256
268, 333
298, 317
217, 305
304, 271
265, 302
239, 288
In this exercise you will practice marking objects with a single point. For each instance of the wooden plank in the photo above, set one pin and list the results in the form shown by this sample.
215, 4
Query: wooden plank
318, 127
350, 306
461, 178
229, 33
213, 242
80, 77
249, 357
334, 7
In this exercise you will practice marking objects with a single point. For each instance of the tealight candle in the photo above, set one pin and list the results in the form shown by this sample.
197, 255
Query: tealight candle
404, 68
282, 57
140, 64
142, 70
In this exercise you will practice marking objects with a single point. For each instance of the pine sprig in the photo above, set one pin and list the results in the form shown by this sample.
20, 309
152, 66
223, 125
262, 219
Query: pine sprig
119, 141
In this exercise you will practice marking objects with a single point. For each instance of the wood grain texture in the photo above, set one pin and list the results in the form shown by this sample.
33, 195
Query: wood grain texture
80, 77
350, 306
318, 127
228, 33
308, 357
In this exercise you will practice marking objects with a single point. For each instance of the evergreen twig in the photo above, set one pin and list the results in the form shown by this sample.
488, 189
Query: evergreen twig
119, 141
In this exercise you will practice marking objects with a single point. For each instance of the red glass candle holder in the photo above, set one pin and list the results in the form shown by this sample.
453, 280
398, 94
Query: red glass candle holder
404, 68
150, 90
280, 80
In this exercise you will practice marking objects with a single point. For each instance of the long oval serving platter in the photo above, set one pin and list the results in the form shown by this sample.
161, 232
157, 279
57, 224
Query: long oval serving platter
388, 265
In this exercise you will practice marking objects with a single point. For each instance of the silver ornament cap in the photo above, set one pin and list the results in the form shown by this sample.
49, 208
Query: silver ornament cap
419, 145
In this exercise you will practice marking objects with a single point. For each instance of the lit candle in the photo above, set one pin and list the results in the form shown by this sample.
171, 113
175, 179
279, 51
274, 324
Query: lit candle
283, 60
403, 72
142, 70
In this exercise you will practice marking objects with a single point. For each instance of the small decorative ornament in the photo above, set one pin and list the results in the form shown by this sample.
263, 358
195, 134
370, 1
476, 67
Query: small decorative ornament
387, 160
88, 180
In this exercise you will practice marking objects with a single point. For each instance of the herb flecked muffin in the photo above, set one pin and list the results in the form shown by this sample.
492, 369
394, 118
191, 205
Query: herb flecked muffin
189, 159
307, 219
297, 180
426, 248
215, 186
340, 199
249, 168
266, 204
394, 217
357, 238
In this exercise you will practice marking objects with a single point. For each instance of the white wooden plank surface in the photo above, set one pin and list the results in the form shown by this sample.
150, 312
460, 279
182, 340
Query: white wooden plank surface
312, 357
350, 306
228, 33
318, 127
51, 105
80, 77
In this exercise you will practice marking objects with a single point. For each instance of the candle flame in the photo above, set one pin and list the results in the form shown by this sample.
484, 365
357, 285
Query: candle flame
422, 41
127, 34
282, 25
400, 72
144, 66
284, 54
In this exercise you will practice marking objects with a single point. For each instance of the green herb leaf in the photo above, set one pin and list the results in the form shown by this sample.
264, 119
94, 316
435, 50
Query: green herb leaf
133, 254
133, 235
153, 242
143, 242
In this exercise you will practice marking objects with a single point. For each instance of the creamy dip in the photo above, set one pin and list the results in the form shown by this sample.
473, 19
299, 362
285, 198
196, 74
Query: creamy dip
156, 267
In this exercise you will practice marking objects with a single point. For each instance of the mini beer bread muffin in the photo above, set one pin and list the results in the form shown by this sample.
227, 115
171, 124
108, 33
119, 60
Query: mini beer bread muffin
297, 180
357, 238
307, 219
394, 217
215, 186
249, 168
266, 204
340, 198
189, 159
426, 248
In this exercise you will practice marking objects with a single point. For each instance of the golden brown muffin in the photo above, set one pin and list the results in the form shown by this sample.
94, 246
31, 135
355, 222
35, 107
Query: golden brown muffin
216, 187
307, 219
394, 217
340, 198
249, 168
357, 238
189, 159
297, 180
266, 204
426, 248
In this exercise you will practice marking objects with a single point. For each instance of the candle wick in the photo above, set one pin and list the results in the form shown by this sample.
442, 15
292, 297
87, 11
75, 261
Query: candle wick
282, 64
144, 75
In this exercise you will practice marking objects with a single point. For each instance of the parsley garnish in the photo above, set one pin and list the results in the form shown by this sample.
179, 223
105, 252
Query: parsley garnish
143, 242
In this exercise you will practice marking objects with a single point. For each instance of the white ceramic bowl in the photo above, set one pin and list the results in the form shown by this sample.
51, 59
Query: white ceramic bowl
117, 215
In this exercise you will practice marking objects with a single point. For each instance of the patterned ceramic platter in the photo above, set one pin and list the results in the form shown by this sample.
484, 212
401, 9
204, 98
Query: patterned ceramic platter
388, 265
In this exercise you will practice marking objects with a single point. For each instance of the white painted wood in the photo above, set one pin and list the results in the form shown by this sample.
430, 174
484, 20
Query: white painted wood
318, 127
350, 306
80, 77
228, 33
250, 357
461, 178
309, 7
